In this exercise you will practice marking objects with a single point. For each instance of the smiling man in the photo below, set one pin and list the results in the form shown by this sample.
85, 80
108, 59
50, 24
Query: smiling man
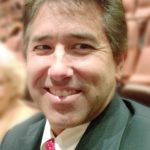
74, 50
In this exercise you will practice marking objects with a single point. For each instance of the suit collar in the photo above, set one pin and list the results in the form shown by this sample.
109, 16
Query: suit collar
106, 130
31, 140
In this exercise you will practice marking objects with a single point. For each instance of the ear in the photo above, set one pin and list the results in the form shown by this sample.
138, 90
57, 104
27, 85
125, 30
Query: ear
120, 60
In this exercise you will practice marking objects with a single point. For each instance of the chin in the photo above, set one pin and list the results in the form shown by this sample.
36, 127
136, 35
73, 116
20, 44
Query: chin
66, 121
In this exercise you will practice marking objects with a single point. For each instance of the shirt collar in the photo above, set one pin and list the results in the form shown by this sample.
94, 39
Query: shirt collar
67, 139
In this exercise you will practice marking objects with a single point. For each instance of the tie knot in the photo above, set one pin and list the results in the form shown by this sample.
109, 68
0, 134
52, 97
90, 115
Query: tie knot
50, 144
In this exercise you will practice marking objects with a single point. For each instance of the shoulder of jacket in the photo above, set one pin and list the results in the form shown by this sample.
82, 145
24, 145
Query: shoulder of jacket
137, 109
12, 137
137, 132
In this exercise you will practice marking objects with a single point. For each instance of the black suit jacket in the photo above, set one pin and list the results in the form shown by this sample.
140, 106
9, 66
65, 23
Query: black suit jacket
124, 125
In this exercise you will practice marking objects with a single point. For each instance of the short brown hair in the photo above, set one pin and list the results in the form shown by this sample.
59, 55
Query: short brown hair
113, 19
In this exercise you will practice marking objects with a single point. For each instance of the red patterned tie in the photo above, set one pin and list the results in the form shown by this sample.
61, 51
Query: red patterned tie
50, 144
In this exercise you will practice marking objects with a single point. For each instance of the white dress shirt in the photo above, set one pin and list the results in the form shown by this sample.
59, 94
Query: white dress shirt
67, 139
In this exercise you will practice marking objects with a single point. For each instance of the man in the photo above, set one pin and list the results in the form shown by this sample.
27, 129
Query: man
75, 49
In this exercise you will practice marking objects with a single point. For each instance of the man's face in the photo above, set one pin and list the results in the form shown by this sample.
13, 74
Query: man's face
70, 65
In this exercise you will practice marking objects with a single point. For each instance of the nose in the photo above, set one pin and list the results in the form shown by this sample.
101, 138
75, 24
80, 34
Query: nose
60, 69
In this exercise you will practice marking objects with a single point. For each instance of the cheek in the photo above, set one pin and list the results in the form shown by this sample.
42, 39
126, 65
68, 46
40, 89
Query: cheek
36, 67
96, 75
91, 70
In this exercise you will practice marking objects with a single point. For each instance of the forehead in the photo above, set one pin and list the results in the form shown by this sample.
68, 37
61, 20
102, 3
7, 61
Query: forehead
89, 10
68, 16
72, 6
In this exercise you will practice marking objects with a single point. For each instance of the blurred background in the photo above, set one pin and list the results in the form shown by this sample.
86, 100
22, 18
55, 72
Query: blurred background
134, 81
135, 78
16, 104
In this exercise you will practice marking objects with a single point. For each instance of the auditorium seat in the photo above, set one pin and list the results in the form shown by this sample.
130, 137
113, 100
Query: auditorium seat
132, 51
143, 9
138, 85
130, 7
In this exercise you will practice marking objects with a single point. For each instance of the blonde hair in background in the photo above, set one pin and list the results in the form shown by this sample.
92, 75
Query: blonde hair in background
14, 71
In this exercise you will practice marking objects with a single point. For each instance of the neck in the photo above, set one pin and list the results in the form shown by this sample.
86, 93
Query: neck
57, 131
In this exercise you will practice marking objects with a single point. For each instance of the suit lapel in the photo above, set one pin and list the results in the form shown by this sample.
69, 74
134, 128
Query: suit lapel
105, 132
32, 140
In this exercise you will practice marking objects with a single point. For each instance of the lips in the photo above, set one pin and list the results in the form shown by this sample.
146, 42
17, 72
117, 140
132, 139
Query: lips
62, 92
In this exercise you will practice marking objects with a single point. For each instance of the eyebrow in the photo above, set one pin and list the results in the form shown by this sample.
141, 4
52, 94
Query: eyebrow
84, 36
43, 37
77, 35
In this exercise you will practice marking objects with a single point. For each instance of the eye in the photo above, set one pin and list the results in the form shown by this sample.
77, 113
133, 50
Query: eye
42, 49
83, 48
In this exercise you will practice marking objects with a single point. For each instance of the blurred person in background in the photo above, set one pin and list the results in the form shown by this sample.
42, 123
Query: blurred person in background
11, 26
13, 109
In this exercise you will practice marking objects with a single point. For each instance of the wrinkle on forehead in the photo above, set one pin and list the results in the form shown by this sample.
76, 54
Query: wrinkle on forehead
86, 10
85, 14
71, 7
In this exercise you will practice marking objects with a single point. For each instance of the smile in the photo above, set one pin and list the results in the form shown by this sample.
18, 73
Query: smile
62, 92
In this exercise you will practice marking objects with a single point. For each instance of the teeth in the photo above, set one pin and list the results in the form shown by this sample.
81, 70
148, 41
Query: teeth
62, 92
